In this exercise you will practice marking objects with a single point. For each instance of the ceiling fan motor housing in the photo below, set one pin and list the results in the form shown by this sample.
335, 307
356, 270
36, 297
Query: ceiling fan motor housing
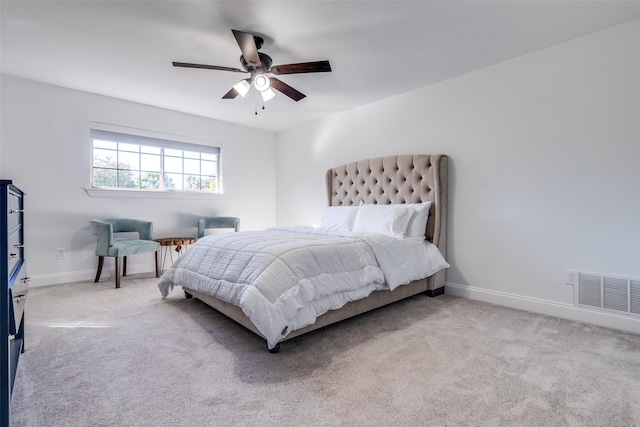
265, 63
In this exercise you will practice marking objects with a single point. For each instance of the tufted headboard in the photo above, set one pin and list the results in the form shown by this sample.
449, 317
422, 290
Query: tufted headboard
395, 179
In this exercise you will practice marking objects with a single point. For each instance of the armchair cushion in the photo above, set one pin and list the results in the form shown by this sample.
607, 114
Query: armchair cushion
126, 247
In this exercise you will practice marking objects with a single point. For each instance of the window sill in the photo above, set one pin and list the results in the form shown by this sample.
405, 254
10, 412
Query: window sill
142, 194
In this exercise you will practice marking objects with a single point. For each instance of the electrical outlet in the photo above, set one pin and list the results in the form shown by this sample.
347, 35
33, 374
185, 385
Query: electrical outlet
572, 277
60, 253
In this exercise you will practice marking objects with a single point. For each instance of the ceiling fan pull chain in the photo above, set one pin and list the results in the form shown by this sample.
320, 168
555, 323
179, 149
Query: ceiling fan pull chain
256, 104
255, 98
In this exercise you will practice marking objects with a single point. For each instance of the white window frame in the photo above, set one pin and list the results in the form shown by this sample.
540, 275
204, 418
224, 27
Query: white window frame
151, 138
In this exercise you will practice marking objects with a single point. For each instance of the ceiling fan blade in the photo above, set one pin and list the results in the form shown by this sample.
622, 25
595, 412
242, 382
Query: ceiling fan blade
248, 47
281, 86
302, 67
207, 67
231, 94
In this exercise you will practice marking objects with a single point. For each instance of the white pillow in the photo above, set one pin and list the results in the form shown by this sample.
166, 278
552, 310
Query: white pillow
418, 222
339, 218
391, 220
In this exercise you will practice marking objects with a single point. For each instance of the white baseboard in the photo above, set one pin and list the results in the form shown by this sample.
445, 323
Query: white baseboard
81, 276
550, 308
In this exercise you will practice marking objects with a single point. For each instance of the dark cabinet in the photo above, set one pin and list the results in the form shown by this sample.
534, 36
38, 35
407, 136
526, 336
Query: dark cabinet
13, 276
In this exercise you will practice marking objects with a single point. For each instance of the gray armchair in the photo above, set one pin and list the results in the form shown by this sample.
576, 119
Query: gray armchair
217, 222
107, 246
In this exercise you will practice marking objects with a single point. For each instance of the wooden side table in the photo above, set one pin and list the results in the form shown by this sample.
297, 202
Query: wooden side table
181, 243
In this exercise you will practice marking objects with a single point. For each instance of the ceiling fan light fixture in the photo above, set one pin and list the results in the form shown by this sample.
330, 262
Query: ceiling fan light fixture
242, 87
261, 82
267, 94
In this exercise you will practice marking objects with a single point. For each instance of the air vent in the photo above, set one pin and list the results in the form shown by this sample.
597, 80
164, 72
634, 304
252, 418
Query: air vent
634, 286
618, 294
590, 292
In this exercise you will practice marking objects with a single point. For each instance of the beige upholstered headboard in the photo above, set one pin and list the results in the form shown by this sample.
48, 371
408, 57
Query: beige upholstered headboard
396, 179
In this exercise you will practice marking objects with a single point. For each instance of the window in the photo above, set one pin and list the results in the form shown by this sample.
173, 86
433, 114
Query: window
135, 162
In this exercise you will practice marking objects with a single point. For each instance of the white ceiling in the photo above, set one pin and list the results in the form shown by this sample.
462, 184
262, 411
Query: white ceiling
377, 49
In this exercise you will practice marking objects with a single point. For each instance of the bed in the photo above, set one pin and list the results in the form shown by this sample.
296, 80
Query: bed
217, 269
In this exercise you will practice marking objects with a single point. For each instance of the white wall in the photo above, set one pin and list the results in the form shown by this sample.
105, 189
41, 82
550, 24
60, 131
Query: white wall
544, 168
46, 150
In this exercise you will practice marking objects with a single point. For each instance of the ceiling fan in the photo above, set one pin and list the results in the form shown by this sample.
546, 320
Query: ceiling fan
259, 64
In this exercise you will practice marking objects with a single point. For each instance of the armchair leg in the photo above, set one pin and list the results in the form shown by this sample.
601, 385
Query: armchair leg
157, 263
99, 272
124, 266
118, 272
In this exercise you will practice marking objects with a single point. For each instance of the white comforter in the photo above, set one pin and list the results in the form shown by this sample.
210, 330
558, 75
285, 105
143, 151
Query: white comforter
283, 278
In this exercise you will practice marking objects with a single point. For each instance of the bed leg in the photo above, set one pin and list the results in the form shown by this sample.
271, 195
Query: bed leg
275, 349
187, 295
435, 292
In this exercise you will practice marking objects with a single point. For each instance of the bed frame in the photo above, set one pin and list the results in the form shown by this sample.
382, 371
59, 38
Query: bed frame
384, 180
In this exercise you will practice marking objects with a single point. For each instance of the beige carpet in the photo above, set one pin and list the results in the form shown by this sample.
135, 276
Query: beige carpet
99, 356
